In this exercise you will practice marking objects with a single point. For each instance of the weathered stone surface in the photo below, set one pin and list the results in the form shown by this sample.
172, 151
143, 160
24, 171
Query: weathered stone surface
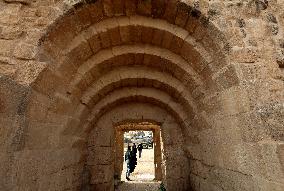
25, 51
26, 2
209, 74
6, 47
11, 32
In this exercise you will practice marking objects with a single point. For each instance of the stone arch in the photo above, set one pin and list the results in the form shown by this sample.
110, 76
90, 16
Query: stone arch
129, 77
141, 94
81, 35
154, 57
137, 95
120, 96
135, 112
193, 52
70, 62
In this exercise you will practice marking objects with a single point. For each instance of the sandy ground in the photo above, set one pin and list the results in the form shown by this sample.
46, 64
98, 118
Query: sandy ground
143, 175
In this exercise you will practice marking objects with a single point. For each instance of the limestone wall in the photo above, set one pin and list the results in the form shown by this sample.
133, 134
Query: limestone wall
215, 66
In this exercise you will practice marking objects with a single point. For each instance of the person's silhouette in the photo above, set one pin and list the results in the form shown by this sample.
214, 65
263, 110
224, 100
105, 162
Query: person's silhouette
128, 162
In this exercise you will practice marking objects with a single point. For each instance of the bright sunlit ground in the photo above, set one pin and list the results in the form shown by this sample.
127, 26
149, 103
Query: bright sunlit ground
144, 170
143, 175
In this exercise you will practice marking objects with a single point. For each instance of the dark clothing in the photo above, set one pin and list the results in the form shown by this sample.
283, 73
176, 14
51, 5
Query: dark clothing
140, 147
127, 155
134, 149
133, 161
127, 158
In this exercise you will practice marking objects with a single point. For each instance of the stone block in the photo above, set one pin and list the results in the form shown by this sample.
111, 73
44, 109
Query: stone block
101, 174
227, 78
189, 53
280, 151
118, 7
80, 51
7, 69
167, 39
234, 101
38, 135
266, 185
191, 24
6, 47
144, 7
13, 97
125, 32
176, 44
136, 34
59, 37
10, 13
207, 185
157, 37
48, 82
231, 180
72, 127
108, 8
130, 7
28, 71
270, 160
25, 2
147, 34
84, 17
170, 11
102, 186
182, 14
100, 155
64, 179
158, 8
11, 32
199, 32
105, 39
245, 55
115, 36
37, 110
96, 13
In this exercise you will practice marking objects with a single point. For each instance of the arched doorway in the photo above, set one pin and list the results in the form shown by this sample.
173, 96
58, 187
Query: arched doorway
102, 58
103, 145
127, 58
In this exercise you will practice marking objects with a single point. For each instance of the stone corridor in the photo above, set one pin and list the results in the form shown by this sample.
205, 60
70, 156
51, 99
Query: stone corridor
207, 77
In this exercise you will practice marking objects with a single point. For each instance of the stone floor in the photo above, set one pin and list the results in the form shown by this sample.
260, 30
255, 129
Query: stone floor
138, 186
142, 177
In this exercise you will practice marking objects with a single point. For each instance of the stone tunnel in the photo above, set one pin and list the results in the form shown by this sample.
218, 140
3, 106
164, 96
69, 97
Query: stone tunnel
205, 76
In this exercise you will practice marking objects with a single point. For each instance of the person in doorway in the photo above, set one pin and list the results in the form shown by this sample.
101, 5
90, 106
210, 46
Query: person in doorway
140, 148
133, 162
128, 160
134, 149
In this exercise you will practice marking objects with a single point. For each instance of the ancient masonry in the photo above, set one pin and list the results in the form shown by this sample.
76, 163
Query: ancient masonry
207, 75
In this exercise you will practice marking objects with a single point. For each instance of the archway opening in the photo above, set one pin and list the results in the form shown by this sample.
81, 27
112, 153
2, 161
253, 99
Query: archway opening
147, 138
105, 148
130, 67
144, 163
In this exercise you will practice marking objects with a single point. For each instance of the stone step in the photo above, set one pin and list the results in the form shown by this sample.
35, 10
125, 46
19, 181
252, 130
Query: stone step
138, 186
